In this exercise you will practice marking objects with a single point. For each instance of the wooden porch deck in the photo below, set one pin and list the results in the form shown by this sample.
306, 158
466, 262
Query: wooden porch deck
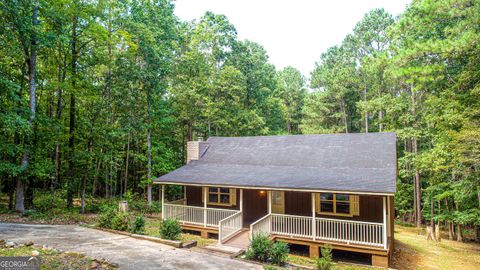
241, 240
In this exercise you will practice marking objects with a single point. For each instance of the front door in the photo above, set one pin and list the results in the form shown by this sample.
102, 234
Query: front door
254, 206
278, 202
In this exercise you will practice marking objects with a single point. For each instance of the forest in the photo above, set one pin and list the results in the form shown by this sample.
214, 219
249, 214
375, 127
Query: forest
99, 97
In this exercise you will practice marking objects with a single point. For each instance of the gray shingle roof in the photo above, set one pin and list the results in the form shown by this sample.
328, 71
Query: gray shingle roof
354, 162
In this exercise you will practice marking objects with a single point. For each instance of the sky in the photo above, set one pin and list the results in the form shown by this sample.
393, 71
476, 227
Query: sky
294, 32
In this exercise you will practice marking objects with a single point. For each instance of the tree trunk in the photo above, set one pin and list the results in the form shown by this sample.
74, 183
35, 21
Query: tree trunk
344, 110
459, 233
71, 141
477, 234
126, 164
451, 235
437, 232
11, 195
85, 176
31, 62
58, 115
149, 154
19, 196
365, 99
417, 188
432, 213
380, 118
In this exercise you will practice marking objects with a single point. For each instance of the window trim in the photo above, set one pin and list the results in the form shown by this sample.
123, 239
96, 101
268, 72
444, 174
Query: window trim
218, 194
334, 201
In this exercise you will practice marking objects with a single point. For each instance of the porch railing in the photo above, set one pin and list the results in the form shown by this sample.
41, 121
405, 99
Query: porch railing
346, 231
196, 215
355, 232
289, 225
229, 226
214, 215
263, 225
184, 214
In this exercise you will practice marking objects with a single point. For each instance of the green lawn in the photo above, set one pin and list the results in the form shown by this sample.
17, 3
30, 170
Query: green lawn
152, 228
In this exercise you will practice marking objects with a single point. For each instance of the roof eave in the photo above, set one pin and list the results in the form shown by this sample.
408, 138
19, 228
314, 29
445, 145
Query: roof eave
377, 193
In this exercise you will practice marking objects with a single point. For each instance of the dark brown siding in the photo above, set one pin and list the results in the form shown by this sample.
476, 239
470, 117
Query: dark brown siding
254, 206
371, 210
298, 203
194, 198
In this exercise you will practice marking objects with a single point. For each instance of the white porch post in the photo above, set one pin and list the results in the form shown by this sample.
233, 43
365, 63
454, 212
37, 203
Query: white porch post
269, 198
163, 202
384, 223
388, 218
205, 196
314, 227
241, 207
241, 200
184, 195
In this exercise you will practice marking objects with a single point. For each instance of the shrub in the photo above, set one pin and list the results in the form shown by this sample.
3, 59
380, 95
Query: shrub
260, 247
138, 225
121, 221
154, 208
325, 262
107, 214
170, 229
269, 267
46, 201
279, 253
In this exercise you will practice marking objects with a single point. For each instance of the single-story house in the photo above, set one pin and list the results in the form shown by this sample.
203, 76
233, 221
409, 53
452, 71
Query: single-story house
310, 190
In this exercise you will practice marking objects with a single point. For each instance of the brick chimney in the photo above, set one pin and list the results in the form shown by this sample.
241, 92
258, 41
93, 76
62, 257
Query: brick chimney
193, 150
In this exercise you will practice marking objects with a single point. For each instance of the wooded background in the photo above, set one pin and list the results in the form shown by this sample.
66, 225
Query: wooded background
98, 97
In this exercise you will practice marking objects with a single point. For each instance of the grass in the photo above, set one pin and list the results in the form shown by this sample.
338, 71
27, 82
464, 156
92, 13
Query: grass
413, 251
55, 260
152, 228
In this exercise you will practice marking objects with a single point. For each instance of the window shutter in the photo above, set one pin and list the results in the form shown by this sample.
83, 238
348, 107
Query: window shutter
233, 196
317, 202
355, 205
203, 194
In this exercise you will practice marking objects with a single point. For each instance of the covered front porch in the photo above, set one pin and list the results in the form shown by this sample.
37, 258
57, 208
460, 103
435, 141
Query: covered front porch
359, 221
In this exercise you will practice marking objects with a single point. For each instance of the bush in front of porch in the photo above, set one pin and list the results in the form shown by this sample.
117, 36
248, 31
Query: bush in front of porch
263, 249
170, 229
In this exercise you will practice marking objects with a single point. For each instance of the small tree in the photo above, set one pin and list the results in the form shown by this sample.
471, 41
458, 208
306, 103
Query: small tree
326, 261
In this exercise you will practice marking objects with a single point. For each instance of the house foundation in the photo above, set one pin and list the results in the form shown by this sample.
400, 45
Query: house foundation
380, 261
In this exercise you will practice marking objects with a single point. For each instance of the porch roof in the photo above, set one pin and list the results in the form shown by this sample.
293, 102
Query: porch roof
337, 162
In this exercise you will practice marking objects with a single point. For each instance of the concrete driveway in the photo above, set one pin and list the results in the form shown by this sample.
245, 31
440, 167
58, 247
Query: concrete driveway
127, 252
